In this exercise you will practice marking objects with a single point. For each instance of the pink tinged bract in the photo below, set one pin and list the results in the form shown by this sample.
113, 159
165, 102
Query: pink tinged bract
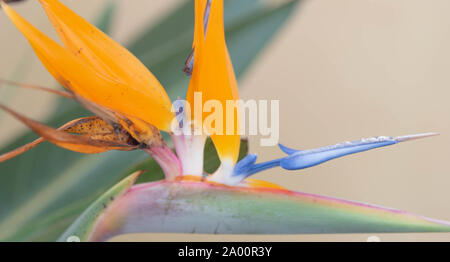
198, 207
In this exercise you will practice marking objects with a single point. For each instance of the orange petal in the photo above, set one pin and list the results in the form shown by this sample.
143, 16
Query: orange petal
140, 130
256, 183
100, 51
213, 75
199, 32
95, 135
137, 128
81, 78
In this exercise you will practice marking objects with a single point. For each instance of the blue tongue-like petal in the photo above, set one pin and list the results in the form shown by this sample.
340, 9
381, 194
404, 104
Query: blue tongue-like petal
299, 159
288, 150
309, 158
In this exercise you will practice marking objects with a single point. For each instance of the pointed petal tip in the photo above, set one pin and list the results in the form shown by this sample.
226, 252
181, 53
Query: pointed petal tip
3, 5
138, 173
287, 150
400, 139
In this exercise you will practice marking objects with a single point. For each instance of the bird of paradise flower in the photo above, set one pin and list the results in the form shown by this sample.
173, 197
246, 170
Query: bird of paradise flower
131, 108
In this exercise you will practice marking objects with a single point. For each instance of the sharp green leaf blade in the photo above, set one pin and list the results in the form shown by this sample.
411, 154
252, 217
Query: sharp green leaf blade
82, 227
176, 30
197, 207
78, 184
248, 37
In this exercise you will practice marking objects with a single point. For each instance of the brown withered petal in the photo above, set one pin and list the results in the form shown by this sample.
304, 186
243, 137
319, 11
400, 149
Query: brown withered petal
97, 129
140, 130
89, 135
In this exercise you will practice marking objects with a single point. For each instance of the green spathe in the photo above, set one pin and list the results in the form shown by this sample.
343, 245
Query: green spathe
199, 207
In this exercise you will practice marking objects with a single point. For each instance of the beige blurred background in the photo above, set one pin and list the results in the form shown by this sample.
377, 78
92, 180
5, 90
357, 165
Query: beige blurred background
342, 70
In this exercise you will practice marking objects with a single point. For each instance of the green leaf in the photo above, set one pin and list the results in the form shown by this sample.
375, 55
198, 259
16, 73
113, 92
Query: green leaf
198, 207
44, 190
249, 36
82, 227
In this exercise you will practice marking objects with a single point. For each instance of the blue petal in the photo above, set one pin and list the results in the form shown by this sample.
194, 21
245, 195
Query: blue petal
189, 64
309, 158
287, 150
178, 107
247, 167
299, 159
244, 166
206, 16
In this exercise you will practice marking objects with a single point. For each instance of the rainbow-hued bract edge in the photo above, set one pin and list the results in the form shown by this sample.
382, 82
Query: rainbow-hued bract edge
199, 207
